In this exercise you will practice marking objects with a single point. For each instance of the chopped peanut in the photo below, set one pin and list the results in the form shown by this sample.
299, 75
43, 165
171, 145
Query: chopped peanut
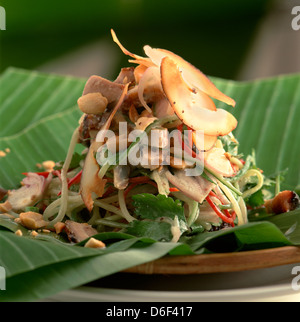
5, 206
48, 165
33, 233
32, 220
92, 103
94, 243
59, 227
19, 233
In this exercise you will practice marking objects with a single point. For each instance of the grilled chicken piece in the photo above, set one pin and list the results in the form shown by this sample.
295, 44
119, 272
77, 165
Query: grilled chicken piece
111, 90
284, 201
78, 232
32, 190
89, 128
126, 76
196, 188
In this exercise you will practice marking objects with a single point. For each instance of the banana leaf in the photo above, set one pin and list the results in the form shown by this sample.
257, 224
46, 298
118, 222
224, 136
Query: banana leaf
38, 114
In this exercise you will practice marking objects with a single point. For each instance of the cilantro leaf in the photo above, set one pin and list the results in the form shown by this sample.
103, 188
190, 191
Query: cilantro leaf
160, 231
149, 206
151, 210
229, 144
75, 161
256, 199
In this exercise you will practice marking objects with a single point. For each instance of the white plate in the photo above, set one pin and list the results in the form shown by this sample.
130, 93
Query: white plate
261, 285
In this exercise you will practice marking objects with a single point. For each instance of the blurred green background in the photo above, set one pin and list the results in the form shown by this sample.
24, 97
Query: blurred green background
214, 35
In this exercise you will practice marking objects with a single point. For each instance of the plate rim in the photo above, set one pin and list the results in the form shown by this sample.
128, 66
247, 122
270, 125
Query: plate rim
219, 262
282, 292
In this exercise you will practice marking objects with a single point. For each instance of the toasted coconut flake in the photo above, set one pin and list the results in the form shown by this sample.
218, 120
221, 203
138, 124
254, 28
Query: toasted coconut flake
142, 123
138, 72
193, 76
127, 52
150, 79
90, 182
206, 144
216, 160
191, 106
144, 62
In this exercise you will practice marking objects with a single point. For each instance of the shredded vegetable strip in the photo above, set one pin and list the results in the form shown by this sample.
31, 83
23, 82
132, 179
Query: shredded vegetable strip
237, 162
247, 175
72, 202
108, 207
235, 206
74, 180
64, 181
123, 207
192, 204
95, 216
219, 212
110, 223
225, 209
223, 181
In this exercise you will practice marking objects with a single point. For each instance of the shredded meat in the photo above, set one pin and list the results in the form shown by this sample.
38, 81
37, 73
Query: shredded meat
126, 76
32, 190
90, 125
111, 90
196, 188
78, 232
151, 95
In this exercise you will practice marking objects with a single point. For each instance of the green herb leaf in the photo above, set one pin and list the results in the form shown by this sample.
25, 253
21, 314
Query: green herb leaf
148, 206
256, 199
228, 144
75, 161
160, 231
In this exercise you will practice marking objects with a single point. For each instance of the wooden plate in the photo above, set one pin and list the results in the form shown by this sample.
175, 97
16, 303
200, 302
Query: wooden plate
220, 263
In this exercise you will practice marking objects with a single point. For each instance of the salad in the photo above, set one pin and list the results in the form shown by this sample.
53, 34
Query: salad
159, 160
